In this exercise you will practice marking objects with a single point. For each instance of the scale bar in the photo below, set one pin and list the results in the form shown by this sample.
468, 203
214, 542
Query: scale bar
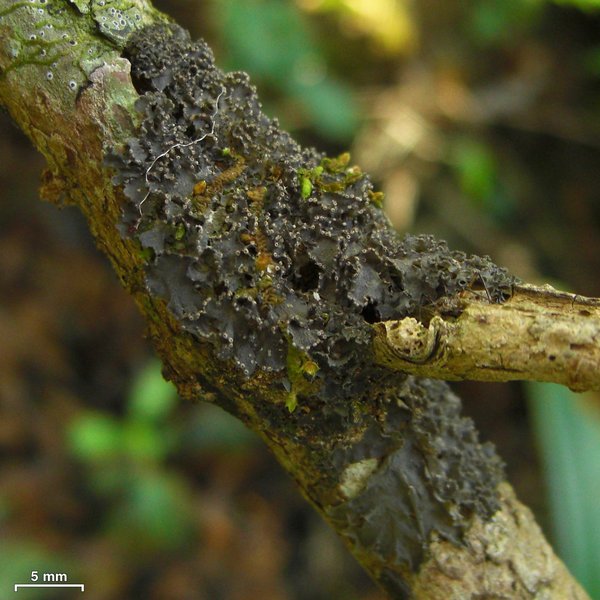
49, 585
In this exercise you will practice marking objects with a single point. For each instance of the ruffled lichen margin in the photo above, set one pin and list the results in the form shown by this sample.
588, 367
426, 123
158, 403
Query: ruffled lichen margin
260, 267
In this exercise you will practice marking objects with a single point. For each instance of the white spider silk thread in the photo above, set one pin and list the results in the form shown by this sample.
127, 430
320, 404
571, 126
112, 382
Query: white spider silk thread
180, 145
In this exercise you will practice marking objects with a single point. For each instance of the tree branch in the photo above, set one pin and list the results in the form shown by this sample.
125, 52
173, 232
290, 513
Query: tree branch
539, 334
258, 265
506, 557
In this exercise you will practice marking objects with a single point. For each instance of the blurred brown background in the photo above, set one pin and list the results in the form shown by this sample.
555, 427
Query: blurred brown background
480, 120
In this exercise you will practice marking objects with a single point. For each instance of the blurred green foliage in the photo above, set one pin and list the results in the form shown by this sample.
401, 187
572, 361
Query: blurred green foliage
17, 561
480, 178
152, 509
95, 436
126, 460
152, 398
273, 41
123, 459
497, 21
476, 168
140, 435
568, 433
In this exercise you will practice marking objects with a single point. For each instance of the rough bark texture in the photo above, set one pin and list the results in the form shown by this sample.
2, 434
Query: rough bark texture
260, 267
539, 334
506, 558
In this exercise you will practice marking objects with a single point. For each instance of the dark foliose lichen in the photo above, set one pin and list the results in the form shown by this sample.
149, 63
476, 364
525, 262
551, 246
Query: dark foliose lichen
280, 258
256, 242
431, 468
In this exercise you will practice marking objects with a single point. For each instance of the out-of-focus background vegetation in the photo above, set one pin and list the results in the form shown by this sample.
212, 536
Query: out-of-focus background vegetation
481, 122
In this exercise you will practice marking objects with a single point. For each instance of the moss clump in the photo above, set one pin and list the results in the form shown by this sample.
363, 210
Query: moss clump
301, 370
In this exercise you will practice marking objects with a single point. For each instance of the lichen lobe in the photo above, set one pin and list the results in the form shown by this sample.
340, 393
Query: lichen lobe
433, 477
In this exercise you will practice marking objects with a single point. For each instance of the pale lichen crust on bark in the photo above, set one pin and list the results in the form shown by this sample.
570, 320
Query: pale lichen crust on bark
57, 50
116, 19
258, 244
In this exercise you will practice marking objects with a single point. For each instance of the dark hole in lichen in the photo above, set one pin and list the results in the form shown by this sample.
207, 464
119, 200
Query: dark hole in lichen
396, 280
140, 83
370, 313
307, 276
178, 113
242, 301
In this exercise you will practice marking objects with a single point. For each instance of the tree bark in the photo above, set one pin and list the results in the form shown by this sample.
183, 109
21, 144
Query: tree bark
539, 334
384, 457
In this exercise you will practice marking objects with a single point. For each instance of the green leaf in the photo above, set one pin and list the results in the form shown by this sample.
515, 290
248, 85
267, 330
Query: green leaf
94, 436
156, 509
143, 441
568, 434
151, 397
475, 166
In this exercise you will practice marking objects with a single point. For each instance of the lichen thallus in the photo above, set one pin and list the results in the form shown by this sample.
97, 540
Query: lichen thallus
181, 145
